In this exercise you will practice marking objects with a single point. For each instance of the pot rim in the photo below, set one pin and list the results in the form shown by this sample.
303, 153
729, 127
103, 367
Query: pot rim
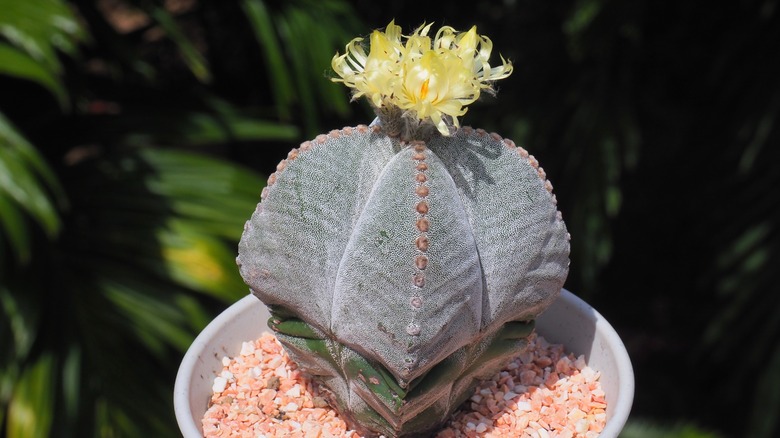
601, 336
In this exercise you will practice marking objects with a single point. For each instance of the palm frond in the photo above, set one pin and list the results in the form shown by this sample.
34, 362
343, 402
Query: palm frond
298, 40
28, 187
38, 29
93, 327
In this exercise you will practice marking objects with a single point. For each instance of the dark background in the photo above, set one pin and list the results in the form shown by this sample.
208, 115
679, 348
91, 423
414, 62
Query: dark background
135, 137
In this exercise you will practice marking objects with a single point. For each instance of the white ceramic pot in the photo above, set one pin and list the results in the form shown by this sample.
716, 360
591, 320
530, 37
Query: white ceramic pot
569, 321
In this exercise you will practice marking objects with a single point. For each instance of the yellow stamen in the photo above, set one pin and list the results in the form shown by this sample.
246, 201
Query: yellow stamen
424, 89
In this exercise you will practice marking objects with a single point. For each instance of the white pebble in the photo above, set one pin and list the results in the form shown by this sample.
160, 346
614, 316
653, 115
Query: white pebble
247, 348
225, 361
520, 389
589, 374
227, 375
256, 372
543, 433
219, 384
481, 427
509, 395
274, 362
580, 363
581, 426
476, 398
576, 414
295, 391
524, 406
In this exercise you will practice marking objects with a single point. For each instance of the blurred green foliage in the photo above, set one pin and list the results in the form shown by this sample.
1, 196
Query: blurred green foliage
122, 193
134, 136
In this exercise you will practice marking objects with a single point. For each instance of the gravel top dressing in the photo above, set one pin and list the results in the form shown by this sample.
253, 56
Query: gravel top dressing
541, 393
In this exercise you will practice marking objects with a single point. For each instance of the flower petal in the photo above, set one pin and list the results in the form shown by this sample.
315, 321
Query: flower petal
433, 80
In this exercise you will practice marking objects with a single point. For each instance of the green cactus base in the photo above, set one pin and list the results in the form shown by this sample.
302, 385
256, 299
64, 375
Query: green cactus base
384, 407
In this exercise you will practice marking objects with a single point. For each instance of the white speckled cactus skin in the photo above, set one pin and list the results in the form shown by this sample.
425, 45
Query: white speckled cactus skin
399, 274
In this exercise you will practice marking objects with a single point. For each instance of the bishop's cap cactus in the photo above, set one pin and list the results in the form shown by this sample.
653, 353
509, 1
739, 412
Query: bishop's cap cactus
406, 261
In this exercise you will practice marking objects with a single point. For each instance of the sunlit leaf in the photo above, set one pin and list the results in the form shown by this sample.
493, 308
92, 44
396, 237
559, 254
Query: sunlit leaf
200, 262
173, 214
31, 410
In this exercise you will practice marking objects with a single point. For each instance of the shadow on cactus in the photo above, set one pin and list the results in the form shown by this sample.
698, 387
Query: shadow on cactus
405, 261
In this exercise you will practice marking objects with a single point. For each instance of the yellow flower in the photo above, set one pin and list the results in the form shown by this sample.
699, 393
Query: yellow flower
433, 80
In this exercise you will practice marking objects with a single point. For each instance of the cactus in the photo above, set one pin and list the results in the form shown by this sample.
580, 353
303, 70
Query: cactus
404, 262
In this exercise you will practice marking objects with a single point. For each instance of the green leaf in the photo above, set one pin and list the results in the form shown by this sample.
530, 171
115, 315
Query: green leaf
18, 329
72, 382
20, 184
194, 60
27, 185
767, 399
156, 322
159, 213
40, 27
263, 26
655, 429
178, 127
31, 410
200, 262
583, 14
296, 42
14, 62
299, 68
316, 33
13, 139
12, 222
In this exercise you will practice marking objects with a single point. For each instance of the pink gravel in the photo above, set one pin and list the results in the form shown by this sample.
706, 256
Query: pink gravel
542, 393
